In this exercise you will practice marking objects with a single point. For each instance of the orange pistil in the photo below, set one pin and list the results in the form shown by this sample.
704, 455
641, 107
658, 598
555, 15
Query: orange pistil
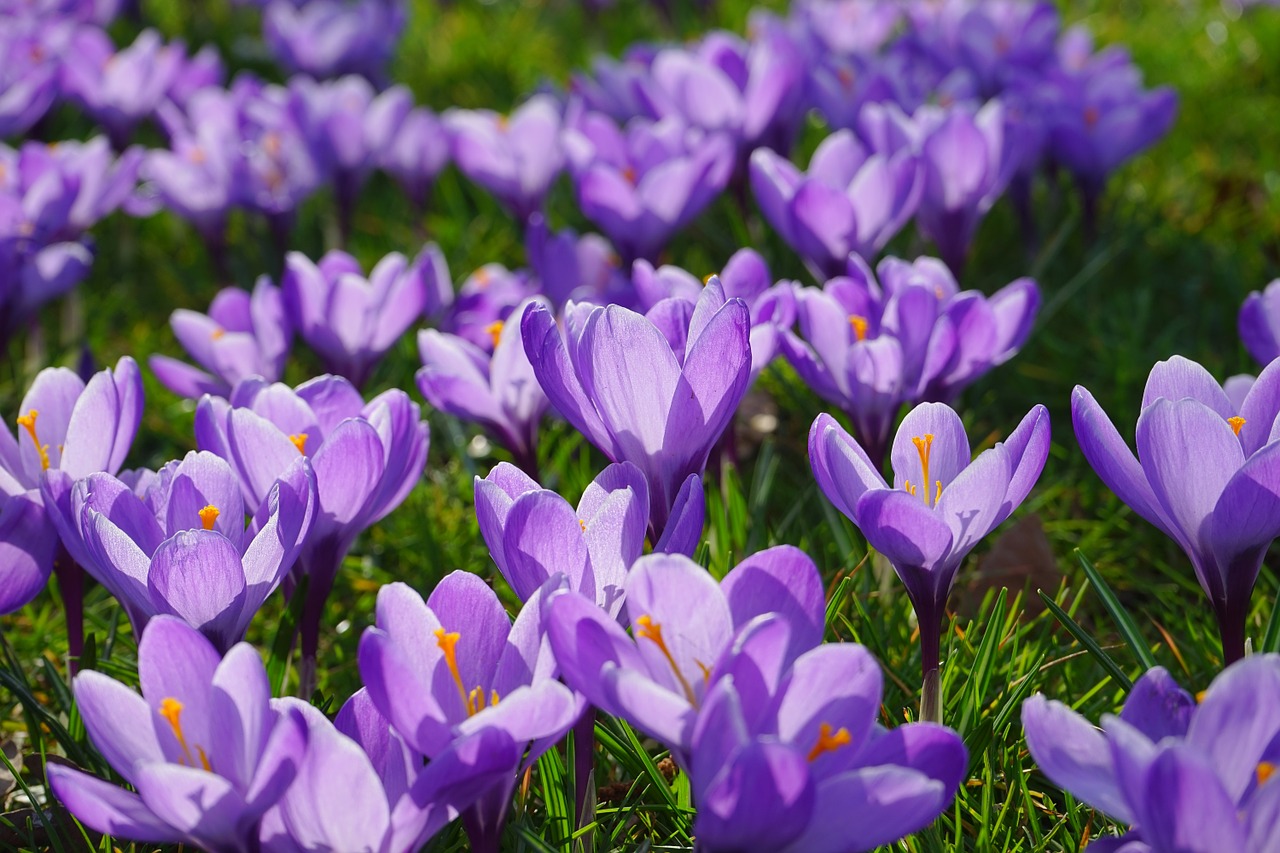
171, 710
859, 326
1265, 771
300, 441
1236, 424
208, 516
924, 447
495, 331
829, 740
28, 422
647, 629
473, 699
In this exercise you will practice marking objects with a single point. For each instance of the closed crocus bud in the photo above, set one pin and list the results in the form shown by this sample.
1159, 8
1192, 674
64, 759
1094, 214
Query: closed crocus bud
1259, 323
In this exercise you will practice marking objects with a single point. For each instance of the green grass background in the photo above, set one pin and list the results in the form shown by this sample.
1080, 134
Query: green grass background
1186, 231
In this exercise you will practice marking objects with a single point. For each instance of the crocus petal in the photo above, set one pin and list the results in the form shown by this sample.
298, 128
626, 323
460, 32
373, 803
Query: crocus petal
175, 661
197, 575
109, 809
762, 800
543, 536
118, 721
464, 603
902, 528
784, 580
1237, 721
1184, 807
1073, 754
683, 530
1157, 706
259, 451
842, 468
348, 468
836, 685
1180, 378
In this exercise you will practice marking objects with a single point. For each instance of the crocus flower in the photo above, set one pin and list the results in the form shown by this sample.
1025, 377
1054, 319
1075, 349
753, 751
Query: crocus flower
656, 390
683, 628
516, 158
869, 347
941, 503
28, 72
279, 164
366, 457
534, 534
202, 746
581, 268
852, 199
184, 550
456, 665
329, 38
1259, 323
359, 788
644, 182
416, 153
488, 296
494, 389
243, 335
1192, 775
1207, 475
120, 89
350, 320
790, 758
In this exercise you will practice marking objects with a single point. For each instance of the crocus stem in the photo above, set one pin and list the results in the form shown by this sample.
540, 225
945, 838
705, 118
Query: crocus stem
584, 740
1231, 630
71, 586
318, 587
930, 654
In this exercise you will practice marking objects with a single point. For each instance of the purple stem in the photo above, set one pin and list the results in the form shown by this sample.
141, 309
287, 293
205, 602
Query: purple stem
71, 586
584, 741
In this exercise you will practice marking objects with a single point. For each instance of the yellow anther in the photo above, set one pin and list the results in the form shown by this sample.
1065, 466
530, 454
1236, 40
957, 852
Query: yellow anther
493, 698
829, 740
924, 447
448, 642
859, 326
1236, 424
647, 629
908, 488
583, 524
706, 279
208, 516
1265, 771
28, 422
482, 277
706, 671
495, 331
938, 494
1200, 696
475, 699
300, 441
217, 333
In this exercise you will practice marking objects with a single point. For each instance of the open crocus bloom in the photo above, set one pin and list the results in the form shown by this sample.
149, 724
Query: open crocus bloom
1188, 776
183, 548
683, 623
790, 758
656, 390
454, 665
534, 534
941, 502
202, 746
1207, 474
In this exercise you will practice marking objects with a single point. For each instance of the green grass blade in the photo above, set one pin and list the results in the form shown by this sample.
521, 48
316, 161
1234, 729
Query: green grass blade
1128, 628
1082, 636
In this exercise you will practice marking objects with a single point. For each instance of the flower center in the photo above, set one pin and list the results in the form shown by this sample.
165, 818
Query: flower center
300, 441
1265, 771
829, 740
171, 710
474, 699
629, 175
208, 516
1091, 116
859, 326
495, 331
647, 629
1237, 423
217, 333
28, 422
924, 448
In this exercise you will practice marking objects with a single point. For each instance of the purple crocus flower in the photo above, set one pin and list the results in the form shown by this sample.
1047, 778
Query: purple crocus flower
417, 152
1207, 475
534, 534
120, 89
202, 746
852, 199
1259, 323
28, 71
456, 665
516, 158
869, 347
359, 787
367, 457
350, 320
790, 758
243, 335
184, 551
683, 624
941, 503
656, 390
644, 182
1191, 774
330, 38
488, 296
849, 26
494, 389
575, 268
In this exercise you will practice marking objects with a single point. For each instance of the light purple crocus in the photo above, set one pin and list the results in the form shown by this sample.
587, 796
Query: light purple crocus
359, 787
790, 757
573, 267
515, 157
350, 320
243, 335
456, 665
871, 346
202, 746
1188, 774
487, 296
330, 38
1259, 323
1207, 475
940, 504
683, 626
852, 199
644, 182
534, 534
29, 51
367, 457
656, 390
183, 549
495, 389
415, 154
120, 89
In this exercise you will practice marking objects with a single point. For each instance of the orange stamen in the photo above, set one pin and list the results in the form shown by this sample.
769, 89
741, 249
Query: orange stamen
448, 642
829, 740
28, 422
924, 446
217, 333
1265, 771
495, 331
647, 629
859, 326
208, 516
1236, 424
300, 441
